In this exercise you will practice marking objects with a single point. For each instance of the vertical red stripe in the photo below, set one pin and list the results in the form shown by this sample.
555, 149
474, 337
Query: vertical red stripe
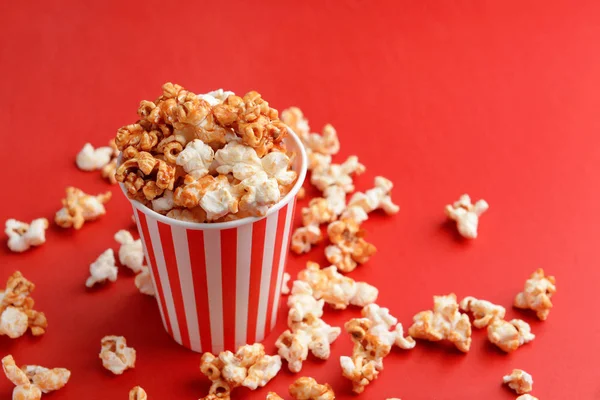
258, 245
198, 263
275, 269
228, 279
150, 249
166, 238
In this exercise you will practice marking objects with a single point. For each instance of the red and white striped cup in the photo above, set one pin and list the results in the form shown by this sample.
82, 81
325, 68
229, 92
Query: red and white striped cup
218, 285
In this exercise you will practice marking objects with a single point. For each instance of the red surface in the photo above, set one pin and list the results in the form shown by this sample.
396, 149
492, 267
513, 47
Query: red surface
497, 98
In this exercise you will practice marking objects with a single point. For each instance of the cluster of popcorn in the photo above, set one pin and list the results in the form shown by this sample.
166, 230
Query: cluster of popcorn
115, 355
205, 158
16, 309
79, 207
306, 388
249, 367
373, 335
101, 158
32, 380
21, 236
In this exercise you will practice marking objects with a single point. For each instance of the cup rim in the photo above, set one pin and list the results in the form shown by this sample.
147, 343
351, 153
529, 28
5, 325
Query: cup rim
301, 152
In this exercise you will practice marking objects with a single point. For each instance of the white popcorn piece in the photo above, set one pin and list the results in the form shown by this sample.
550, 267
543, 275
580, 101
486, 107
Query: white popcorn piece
337, 290
509, 336
196, 158
355, 213
79, 207
336, 198
376, 198
115, 355
163, 203
238, 159
260, 193
276, 165
27, 392
13, 322
215, 97
526, 397
466, 215
131, 253
519, 381
294, 118
285, 289
197, 214
386, 327
103, 269
317, 161
259, 374
90, 159
325, 143
337, 174
219, 200
143, 281
48, 380
304, 238
138, 393
537, 293
14, 374
482, 310
22, 236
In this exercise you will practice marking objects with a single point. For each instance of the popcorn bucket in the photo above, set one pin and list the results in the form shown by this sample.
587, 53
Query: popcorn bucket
218, 285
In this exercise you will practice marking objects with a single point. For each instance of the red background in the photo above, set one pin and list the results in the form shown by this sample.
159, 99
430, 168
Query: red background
495, 98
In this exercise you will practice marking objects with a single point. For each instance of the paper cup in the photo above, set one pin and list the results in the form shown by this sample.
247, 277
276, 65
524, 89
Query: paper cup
218, 286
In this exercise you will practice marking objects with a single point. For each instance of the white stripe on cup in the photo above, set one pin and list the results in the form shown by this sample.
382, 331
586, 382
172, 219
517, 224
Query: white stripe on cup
141, 232
163, 276
242, 284
212, 253
182, 254
265, 278
282, 258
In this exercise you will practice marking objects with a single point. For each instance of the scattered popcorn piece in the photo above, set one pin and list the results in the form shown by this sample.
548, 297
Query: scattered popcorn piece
519, 381
301, 193
466, 215
294, 118
526, 397
307, 388
273, 396
109, 170
355, 213
376, 198
16, 309
509, 336
138, 393
482, 310
348, 248
307, 331
79, 207
537, 293
304, 238
317, 212
249, 367
115, 355
32, 380
337, 290
373, 337
131, 253
325, 143
14, 374
143, 281
27, 392
444, 322
285, 289
22, 236
337, 174
336, 199
103, 269
90, 159
196, 158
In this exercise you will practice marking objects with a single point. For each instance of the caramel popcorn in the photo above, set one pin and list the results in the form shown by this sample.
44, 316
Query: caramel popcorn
376, 198
373, 337
337, 290
445, 322
466, 215
22, 236
32, 380
16, 309
526, 397
131, 253
482, 310
337, 174
537, 293
307, 331
348, 248
519, 381
509, 336
90, 159
79, 207
306, 388
115, 355
143, 281
103, 269
285, 289
109, 170
304, 238
249, 367
138, 393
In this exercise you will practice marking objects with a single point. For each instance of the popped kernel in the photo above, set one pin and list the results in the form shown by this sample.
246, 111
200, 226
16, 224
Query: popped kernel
16, 309
325, 143
482, 310
13, 322
317, 212
337, 174
336, 199
195, 214
306, 388
537, 293
164, 203
294, 118
519, 381
445, 322
131, 253
26, 392
90, 159
509, 336
159, 173
466, 215
237, 159
115, 355
14, 374
48, 380
109, 170
355, 213
196, 158
138, 393
277, 166
335, 289
259, 193
143, 281
304, 238
21, 236
377, 198
79, 207
348, 248
285, 289
215, 97
103, 269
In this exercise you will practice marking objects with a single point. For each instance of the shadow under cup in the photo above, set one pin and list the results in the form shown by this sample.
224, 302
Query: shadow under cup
218, 286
